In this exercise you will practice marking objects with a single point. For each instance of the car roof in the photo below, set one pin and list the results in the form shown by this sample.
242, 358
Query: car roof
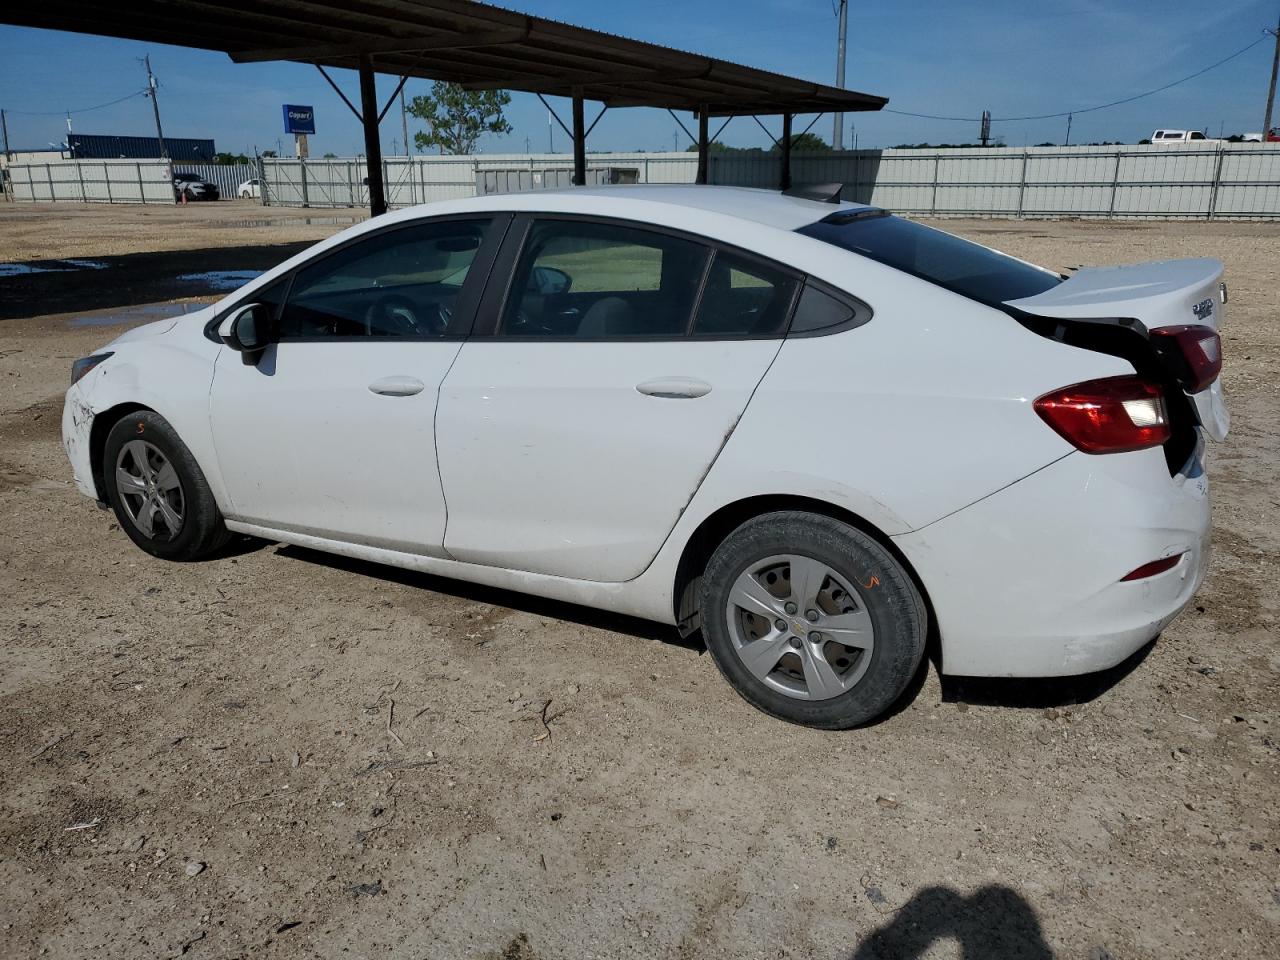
769, 207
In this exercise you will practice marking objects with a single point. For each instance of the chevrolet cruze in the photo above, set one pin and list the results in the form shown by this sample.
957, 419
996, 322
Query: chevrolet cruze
824, 436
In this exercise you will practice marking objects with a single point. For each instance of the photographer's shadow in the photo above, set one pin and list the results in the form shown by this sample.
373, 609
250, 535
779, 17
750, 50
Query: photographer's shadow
995, 923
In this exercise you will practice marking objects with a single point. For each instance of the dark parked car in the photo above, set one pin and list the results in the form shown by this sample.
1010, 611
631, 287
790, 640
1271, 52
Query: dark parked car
194, 187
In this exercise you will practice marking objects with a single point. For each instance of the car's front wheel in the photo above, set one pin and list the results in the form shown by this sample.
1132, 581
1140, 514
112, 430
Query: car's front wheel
811, 620
157, 490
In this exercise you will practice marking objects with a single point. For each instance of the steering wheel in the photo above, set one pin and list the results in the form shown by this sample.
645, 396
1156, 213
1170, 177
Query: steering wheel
395, 315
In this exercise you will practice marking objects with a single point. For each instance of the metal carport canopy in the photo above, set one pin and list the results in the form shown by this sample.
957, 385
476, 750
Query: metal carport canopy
477, 45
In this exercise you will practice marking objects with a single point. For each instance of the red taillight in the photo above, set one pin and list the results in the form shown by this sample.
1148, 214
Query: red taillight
1200, 350
1112, 415
1152, 568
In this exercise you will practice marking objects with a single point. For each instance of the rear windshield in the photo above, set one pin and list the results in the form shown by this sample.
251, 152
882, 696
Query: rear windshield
960, 266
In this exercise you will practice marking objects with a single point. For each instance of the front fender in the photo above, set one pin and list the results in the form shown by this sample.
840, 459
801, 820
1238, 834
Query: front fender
170, 377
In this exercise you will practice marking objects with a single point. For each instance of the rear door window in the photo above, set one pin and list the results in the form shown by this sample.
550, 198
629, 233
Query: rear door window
948, 261
744, 298
588, 280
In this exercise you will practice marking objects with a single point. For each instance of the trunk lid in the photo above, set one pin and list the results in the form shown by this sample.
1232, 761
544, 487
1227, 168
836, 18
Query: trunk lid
1162, 294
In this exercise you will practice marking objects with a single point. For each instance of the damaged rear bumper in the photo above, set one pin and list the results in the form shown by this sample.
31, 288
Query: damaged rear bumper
1029, 581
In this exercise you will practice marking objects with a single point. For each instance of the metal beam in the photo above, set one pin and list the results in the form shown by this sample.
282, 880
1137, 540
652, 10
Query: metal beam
437, 41
392, 99
372, 145
579, 143
704, 147
338, 91
766, 131
681, 125
785, 180
603, 111
567, 132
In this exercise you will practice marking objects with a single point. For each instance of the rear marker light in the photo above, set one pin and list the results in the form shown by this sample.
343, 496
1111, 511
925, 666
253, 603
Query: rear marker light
1152, 568
1111, 415
1198, 350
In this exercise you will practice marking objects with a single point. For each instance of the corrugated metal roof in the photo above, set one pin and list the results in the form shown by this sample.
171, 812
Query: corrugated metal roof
478, 45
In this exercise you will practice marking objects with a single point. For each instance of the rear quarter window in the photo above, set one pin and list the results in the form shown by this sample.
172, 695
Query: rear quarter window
948, 261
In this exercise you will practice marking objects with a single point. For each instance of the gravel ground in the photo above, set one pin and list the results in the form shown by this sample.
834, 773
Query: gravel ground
284, 754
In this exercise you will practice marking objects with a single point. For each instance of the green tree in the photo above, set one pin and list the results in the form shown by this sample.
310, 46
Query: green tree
800, 143
227, 159
715, 146
457, 118
808, 143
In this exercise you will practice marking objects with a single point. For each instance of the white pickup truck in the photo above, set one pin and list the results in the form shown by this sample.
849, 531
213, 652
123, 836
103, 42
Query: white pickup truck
1181, 136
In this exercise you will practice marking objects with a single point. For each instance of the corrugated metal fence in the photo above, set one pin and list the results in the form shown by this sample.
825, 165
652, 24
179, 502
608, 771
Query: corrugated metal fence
341, 182
1180, 182
114, 181
1166, 182
228, 176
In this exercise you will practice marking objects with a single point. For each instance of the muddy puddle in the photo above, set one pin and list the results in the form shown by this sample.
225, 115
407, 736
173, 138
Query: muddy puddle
221, 280
48, 266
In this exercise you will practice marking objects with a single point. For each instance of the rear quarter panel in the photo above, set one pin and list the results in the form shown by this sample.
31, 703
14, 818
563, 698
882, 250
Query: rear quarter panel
912, 416
917, 413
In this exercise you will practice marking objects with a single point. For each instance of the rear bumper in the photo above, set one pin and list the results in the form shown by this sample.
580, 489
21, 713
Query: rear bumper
1028, 582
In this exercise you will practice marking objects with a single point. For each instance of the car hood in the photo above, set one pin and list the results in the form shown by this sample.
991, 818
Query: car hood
158, 328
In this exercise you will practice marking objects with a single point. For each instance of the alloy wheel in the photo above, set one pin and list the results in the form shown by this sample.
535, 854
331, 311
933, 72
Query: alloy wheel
800, 627
149, 490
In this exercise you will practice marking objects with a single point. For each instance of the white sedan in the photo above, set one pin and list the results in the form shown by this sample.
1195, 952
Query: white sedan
820, 434
250, 189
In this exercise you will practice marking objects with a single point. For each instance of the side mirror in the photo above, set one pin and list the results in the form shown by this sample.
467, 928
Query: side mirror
548, 281
247, 329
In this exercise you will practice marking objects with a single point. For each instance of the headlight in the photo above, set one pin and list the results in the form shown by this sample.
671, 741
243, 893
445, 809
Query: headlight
85, 364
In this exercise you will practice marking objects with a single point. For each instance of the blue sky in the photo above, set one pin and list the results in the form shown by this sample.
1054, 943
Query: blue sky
955, 59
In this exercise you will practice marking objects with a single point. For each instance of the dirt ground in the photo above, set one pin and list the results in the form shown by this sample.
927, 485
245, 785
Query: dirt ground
283, 754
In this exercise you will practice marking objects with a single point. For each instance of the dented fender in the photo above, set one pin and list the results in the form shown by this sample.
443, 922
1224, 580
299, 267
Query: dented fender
170, 371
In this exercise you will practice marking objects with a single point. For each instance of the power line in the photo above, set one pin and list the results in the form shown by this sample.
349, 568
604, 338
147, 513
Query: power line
1101, 106
61, 113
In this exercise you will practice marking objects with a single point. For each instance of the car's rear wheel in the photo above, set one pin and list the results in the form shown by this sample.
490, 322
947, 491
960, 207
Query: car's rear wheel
157, 490
811, 620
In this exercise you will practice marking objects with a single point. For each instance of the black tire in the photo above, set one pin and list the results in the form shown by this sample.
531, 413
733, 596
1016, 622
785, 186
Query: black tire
201, 531
896, 610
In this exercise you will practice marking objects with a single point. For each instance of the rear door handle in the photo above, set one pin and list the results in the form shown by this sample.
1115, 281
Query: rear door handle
397, 386
675, 388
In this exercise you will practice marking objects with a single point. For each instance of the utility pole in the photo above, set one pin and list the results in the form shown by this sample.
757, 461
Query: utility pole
71, 147
1068, 143
404, 124
551, 144
1271, 92
4, 125
155, 105
837, 135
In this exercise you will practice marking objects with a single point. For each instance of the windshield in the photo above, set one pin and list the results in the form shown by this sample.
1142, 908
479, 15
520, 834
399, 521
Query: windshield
960, 266
188, 177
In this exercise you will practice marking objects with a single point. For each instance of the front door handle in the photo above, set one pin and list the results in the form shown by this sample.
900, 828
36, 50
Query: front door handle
675, 388
397, 386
